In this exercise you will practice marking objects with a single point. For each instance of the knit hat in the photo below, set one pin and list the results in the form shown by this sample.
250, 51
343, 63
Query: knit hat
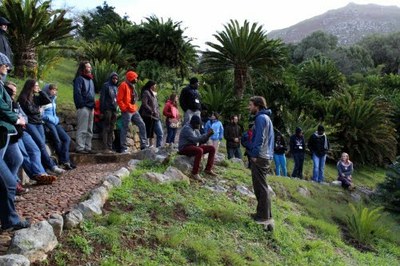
130, 76
4, 60
298, 130
321, 128
195, 120
193, 80
4, 21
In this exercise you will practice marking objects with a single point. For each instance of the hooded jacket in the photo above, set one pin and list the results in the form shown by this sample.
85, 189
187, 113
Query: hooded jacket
108, 95
318, 144
127, 95
49, 110
171, 110
191, 137
149, 107
217, 128
262, 141
5, 47
84, 93
8, 117
32, 108
190, 99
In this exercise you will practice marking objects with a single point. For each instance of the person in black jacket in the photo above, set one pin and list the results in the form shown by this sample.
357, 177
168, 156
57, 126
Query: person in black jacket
297, 149
108, 107
233, 133
31, 99
189, 100
5, 47
318, 144
279, 155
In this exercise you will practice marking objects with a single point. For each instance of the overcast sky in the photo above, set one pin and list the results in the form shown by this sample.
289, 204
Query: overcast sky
202, 19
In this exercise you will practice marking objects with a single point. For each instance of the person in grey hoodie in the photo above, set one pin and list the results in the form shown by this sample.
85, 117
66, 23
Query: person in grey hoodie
108, 107
191, 143
261, 151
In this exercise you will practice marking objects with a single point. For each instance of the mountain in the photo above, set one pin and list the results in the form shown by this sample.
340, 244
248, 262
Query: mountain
350, 23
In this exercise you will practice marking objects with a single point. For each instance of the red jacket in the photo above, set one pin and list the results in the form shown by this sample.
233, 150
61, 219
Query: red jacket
171, 110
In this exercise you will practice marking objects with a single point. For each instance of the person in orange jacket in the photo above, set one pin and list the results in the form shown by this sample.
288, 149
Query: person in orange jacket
127, 97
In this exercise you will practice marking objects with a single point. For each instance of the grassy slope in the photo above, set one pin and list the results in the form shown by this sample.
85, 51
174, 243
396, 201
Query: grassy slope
180, 224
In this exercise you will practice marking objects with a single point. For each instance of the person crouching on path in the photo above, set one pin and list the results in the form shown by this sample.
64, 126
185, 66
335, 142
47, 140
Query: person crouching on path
261, 150
191, 144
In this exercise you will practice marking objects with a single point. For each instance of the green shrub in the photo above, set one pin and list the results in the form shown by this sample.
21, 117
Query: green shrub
363, 224
389, 190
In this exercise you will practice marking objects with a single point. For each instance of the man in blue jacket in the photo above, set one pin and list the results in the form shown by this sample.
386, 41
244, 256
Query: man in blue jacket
261, 151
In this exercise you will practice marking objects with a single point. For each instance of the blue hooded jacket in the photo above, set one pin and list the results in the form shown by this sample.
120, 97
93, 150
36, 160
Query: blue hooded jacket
262, 143
49, 110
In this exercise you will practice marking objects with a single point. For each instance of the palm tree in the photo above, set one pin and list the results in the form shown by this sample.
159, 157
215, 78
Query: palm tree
33, 24
243, 48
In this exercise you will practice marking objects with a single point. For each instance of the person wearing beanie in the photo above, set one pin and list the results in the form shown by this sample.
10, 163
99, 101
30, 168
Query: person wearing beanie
5, 47
189, 100
297, 149
318, 145
192, 143
8, 170
108, 107
127, 98
84, 99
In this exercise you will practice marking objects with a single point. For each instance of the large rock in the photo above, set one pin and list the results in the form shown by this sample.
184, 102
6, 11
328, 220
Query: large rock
73, 218
219, 158
14, 260
245, 191
91, 207
132, 164
146, 154
100, 194
184, 163
238, 161
304, 191
121, 173
217, 188
57, 222
170, 175
34, 242
113, 181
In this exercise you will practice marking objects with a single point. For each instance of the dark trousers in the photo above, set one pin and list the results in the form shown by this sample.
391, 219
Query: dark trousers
259, 170
298, 158
234, 152
110, 118
197, 152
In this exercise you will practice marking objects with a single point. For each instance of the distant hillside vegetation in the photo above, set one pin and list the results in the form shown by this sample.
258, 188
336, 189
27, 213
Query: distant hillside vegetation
350, 23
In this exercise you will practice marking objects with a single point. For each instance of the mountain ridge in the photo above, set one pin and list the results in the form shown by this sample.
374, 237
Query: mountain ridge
350, 23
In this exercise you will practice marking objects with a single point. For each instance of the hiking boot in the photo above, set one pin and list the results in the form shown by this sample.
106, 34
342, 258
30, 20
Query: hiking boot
68, 166
44, 179
210, 172
20, 225
20, 189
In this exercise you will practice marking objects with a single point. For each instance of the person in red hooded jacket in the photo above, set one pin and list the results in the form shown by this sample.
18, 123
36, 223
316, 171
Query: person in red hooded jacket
127, 97
171, 112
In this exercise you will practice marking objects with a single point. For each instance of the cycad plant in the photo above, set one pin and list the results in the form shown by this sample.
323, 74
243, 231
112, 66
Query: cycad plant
99, 51
102, 71
364, 224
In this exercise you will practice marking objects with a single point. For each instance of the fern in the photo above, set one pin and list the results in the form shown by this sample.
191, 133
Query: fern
363, 224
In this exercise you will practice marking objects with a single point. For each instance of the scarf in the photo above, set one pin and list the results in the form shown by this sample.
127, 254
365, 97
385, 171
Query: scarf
325, 139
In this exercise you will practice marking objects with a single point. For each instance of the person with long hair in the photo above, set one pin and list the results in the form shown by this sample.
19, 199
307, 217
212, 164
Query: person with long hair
84, 97
150, 112
345, 170
31, 99
171, 112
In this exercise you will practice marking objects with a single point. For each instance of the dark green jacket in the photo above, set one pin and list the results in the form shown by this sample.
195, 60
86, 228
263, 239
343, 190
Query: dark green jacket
8, 117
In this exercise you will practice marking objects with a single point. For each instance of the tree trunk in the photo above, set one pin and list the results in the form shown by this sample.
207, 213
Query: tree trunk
26, 62
240, 75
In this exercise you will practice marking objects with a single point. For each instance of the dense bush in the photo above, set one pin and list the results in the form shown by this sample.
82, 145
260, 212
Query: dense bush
389, 190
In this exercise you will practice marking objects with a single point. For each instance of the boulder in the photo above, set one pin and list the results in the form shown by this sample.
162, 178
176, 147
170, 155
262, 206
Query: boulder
217, 188
245, 191
73, 218
57, 222
304, 191
184, 163
14, 260
34, 242
219, 158
176, 175
121, 173
100, 194
113, 180
237, 160
146, 154
132, 164
91, 207
156, 177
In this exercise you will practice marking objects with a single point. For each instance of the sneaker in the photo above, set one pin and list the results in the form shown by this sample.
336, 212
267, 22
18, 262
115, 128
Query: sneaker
57, 170
68, 166
44, 179
210, 172
20, 189
197, 177
81, 151
91, 151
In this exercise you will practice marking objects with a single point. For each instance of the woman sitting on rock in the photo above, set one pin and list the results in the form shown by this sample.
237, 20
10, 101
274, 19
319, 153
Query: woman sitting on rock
345, 170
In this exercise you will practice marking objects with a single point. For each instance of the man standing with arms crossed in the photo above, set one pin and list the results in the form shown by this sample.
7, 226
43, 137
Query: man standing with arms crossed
261, 151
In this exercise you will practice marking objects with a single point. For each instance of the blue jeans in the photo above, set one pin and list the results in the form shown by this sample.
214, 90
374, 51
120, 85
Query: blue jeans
280, 164
37, 133
171, 133
159, 132
30, 151
319, 167
136, 119
61, 141
8, 184
234, 152
13, 158
298, 158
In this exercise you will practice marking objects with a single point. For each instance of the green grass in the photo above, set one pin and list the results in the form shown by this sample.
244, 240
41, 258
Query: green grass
179, 224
